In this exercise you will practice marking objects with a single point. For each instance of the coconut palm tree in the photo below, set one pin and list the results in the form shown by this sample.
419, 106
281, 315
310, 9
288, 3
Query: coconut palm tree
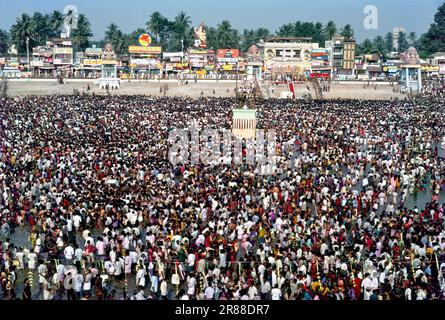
4, 40
330, 30
157, 24
412, 38
227, 36
116, 38
23, 28
286, 30
42, 27
56, 23
82, 33
180, 29
347, 32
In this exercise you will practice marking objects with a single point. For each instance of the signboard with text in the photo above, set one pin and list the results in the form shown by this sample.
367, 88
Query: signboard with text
228, 53
144, 50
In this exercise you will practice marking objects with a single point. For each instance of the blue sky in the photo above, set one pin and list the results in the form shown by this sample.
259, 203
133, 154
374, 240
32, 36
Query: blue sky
413, 15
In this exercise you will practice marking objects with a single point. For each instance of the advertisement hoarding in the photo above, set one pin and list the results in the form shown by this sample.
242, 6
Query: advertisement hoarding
36, 63
320, 54
144, 50
172, 54
228, 60
146, 62
228, 53
194, 51
92, 62
93, 51
430, 68
63, 50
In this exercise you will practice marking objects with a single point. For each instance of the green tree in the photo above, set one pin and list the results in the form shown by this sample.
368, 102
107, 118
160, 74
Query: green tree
228, 37
116, 38
305, 29
82, 33
157, 24
251, 37
330, 30
4, 41
55, 24
261, 34
247, 39
319, 35
286, 30
367, 47
402, 42
23, 28
434, 40
42, 27
347, 32
412, 39
212, 37
379, 46
180, 29
389, 44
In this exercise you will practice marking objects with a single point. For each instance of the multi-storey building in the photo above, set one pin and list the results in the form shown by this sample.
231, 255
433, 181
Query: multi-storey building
288, 56
342, 55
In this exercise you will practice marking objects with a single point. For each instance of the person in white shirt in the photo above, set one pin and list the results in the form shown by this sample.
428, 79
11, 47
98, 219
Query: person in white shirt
32, 258
265, 290
164, 290
209, 293
38, 245
20, 256
69, 225
253, 292
48, 292
421, 294
77, 219
191, 285
191, 261
140, 295
69, 252
368, 286
140, 277
276, 293
78, 253
42, 271
100, 247
78, 284
408, 294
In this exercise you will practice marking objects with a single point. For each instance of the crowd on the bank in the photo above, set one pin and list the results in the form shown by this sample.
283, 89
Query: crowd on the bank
108, 217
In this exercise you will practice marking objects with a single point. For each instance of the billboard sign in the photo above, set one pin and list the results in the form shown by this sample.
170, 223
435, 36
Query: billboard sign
63, 50
228, 53
92, 62
93, 51
228, 60
144, 50
36, 63
193, 51
320, 54
172, 54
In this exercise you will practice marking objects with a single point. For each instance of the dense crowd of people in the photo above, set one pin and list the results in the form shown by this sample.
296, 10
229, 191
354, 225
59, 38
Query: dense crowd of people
87, 178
